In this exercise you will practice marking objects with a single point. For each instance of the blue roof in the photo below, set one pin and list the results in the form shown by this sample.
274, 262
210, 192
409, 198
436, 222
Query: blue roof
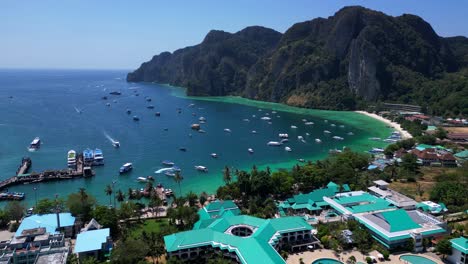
91, 240
49, 221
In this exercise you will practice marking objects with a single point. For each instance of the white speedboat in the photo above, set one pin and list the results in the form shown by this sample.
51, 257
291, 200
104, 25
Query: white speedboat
265, 118
71, 158
274, 143
254, 132
300, 137
318, 140
288, 149
227, 130
337, 138
201, 168
308, 123
202, 119
116, 144
250, 150
35, 144
246, 120
307, 134
294, 127
333, 125
326, 132
214, 155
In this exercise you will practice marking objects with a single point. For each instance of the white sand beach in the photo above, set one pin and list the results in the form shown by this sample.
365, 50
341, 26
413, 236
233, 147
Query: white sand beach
404, 134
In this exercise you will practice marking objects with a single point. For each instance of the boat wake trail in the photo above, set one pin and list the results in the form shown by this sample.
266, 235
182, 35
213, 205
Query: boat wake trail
109, 137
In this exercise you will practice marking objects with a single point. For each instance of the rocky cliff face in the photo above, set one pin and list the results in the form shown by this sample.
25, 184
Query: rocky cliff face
334, 63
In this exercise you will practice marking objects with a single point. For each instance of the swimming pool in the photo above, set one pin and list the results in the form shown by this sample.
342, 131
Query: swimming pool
413, 259
326, 261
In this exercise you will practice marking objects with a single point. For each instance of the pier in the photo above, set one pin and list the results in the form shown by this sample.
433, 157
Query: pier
81, 171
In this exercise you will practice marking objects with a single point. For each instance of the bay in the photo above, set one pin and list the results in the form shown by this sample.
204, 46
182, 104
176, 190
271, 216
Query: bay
47, 103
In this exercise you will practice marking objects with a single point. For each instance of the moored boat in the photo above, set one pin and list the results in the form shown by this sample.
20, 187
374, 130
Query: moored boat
88, 156
116, 144
227, 130
337, 138
142, 179
318, 140
136, 118
288, 149
214, 155
167, 163
201, 168
274, 143
326, 132
250, 150
98, 157
71, 158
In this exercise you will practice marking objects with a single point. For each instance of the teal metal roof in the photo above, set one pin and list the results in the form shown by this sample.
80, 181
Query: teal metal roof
399, 220
49, 221
91, 240
218, 208
254, 249
461, 244
363, 203
462, 155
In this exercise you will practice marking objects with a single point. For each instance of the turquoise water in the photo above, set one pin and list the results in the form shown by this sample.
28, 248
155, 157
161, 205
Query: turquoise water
413, 259
326, 261
44, 103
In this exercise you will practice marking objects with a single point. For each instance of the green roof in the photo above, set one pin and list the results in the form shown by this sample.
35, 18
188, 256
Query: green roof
461, 244
314, 199
258, 248
218, 208
462, 155
346, 188
399, 220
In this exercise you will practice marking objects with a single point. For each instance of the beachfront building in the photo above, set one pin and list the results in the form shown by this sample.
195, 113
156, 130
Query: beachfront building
459, 251
311, 204
245, 239
40, 239
95, 243
389, 225
381, 190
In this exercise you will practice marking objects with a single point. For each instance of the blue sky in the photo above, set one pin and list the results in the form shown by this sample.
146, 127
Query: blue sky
115, 34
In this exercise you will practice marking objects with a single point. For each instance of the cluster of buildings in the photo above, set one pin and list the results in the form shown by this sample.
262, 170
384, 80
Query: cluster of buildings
46, 239
393, 219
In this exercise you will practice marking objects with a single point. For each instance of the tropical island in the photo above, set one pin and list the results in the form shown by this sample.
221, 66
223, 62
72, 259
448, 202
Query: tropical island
352, 60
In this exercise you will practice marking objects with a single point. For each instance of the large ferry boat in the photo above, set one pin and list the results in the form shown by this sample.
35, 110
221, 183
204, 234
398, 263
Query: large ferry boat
98, 158
71, 158
88, 156
35, 144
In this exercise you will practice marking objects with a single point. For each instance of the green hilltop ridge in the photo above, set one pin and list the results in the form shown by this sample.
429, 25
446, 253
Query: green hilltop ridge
353, 59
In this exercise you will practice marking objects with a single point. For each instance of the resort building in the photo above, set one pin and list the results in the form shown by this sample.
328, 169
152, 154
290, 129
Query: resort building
390, 226
40, 239
434, 156
461, 157
312, 203
459, 251
432, 208
381, 190
242, 238
93, 243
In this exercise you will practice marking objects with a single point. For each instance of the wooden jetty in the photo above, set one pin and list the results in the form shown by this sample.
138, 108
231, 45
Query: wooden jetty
81, 171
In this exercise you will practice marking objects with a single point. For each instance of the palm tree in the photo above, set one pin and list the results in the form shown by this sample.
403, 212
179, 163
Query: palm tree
178, 178
227, 175
120, 196
108, 190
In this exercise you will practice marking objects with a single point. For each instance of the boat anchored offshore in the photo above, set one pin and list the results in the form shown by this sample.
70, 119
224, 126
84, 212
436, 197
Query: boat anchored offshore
318, 140
116, 144
71, 158
274, 143
250, 150
126, 168
288, 149
35, 144
167, 163
337, 138
214, 155
142, 179
201, 168
98, 157
227, 130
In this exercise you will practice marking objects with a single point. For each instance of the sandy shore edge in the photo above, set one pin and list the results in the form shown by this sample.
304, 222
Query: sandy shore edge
404, 134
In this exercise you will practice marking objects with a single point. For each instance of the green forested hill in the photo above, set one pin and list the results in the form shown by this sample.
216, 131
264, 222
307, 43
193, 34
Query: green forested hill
350, 60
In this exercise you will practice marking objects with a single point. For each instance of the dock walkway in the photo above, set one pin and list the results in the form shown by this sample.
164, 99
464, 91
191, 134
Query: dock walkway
48, 175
